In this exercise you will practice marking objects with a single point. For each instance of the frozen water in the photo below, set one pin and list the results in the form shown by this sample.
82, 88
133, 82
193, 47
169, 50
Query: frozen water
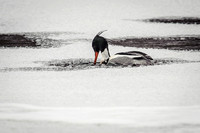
93, 16
36, 96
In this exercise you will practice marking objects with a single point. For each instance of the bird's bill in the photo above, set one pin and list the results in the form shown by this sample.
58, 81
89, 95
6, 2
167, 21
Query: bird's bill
96, 55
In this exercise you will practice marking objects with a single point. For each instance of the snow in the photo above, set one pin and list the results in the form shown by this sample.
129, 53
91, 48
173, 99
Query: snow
93, 16
160, 98
136, 117
152, 85
117, 119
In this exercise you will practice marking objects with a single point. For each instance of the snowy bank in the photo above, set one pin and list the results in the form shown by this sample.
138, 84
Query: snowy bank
26, 118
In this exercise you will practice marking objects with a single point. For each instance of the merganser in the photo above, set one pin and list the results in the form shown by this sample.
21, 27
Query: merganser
133, 58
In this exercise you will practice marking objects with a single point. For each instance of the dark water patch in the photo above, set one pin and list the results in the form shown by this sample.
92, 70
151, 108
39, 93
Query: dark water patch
35, 39
16, 41
171, 43
74, 64
168, 61
171, 20
11, 40
86, 64
175, 20
45, 40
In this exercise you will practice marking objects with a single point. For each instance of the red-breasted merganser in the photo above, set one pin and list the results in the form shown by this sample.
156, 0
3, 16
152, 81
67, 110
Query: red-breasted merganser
133, 58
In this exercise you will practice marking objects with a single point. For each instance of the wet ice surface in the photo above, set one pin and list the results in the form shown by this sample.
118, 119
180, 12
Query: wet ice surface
84, 64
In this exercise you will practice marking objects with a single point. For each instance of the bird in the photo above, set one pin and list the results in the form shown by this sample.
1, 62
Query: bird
130, 58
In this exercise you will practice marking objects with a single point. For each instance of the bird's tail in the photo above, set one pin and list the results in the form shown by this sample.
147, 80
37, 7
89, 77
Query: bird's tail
101, 32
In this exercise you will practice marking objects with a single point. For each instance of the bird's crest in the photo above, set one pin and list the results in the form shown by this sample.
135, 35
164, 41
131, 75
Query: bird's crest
101, 32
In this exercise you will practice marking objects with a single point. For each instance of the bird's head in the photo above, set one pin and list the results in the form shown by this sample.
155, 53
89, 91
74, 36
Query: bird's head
99, 44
